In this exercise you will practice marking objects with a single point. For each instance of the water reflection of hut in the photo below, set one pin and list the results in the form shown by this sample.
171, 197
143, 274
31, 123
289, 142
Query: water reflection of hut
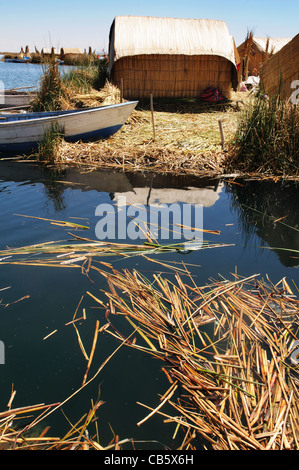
170, 57
260, 49
282, 69
207, 195
136, 188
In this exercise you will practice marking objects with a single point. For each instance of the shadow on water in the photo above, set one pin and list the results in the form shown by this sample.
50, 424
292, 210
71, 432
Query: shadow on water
269, 210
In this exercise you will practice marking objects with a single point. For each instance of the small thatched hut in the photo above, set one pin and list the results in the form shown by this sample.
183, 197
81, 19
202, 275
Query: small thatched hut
170, 57
48, 52
70, 51
281, 70
260, 50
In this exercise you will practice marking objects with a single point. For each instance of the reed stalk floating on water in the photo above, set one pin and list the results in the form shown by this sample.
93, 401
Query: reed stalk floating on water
79, 251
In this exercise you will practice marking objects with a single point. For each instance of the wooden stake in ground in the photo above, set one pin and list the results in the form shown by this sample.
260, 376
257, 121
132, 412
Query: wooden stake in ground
152, 112
121, 90
221, 132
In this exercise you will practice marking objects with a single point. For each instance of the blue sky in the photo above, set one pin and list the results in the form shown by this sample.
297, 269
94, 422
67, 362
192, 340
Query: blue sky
84, 23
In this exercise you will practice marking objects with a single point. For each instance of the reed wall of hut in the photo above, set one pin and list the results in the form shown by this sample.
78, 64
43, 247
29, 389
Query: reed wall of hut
171, 58
281, 71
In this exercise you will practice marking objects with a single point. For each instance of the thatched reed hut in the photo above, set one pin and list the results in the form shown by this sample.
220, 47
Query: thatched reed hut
48, 52
259, 50
72, 56
170, 57
70, 51
280, 71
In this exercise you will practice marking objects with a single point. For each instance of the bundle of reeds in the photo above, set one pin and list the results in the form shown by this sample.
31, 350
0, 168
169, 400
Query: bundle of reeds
90, 97
52, 94
227, 353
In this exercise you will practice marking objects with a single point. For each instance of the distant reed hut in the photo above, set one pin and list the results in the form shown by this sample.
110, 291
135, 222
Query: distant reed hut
259, 50
170, 57
49, 52
70, 52
281, 71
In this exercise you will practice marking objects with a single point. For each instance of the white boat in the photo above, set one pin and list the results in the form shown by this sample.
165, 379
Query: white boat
21, 133
15, 100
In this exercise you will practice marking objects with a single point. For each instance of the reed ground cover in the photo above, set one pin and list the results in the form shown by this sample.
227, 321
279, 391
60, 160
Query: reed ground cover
177, 138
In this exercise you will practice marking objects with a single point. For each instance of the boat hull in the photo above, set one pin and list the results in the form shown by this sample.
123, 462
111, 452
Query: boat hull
18, 61
15, 100
22, 133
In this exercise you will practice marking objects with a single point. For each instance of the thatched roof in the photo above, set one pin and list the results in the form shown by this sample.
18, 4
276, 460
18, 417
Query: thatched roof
274, 44
50, 50
138, 35
70, 50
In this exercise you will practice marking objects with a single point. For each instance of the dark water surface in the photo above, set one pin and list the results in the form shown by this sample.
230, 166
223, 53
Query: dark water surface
48, 371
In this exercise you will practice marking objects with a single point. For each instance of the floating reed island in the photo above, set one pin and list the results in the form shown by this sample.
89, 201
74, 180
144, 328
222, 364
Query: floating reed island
247, 134
177, 137
179, 144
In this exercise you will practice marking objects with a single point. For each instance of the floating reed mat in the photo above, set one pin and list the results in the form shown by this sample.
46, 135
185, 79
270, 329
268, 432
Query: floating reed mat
227, 353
